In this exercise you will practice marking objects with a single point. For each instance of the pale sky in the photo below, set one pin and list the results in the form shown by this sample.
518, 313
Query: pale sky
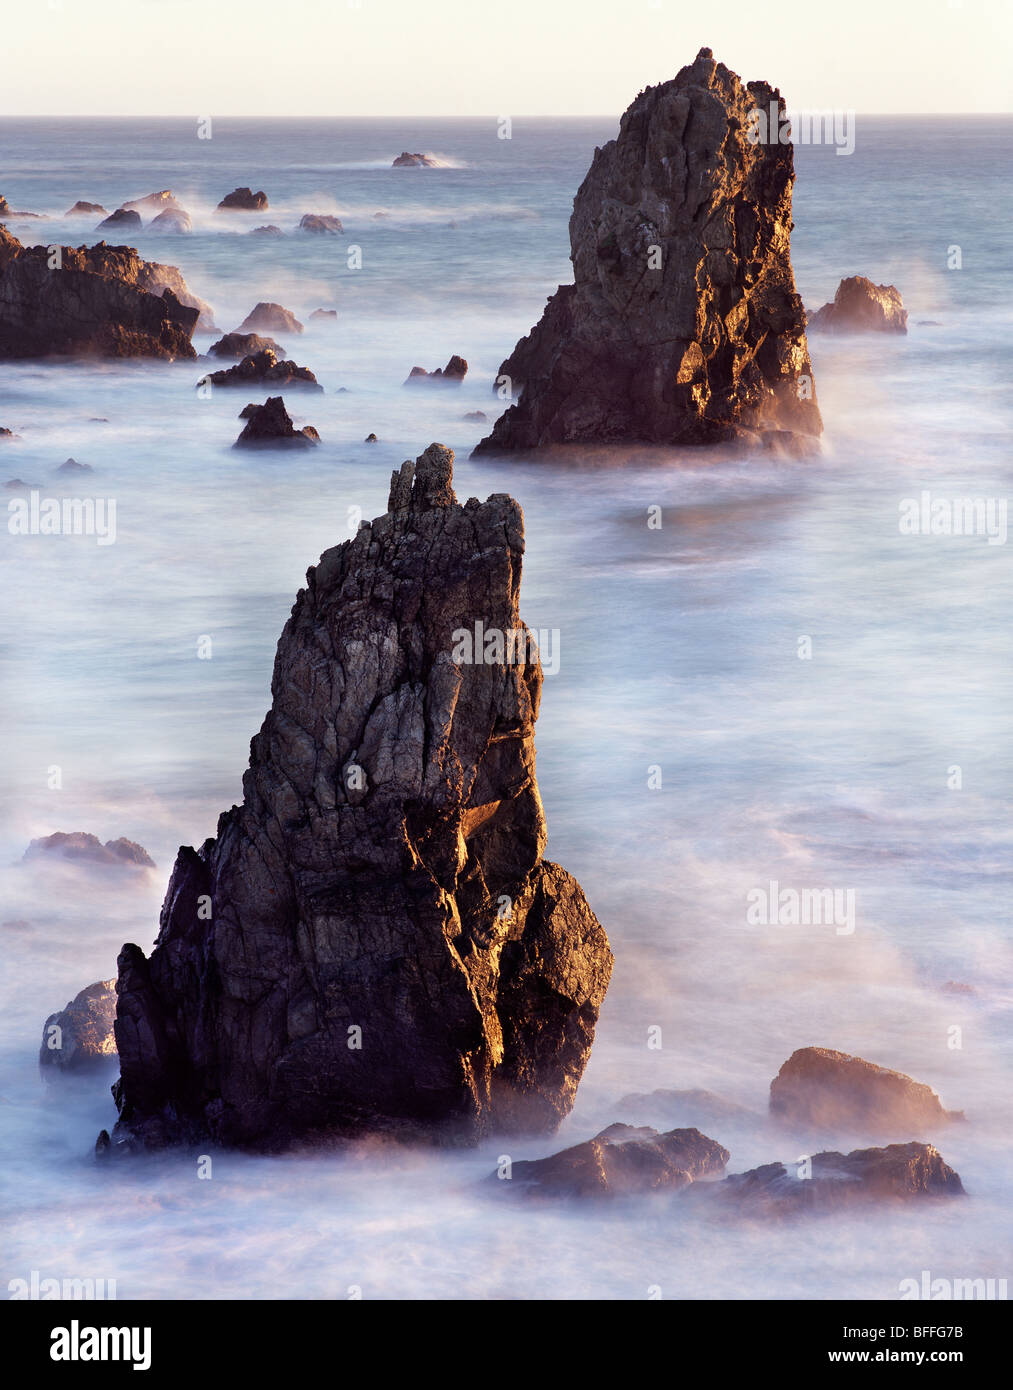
491, 57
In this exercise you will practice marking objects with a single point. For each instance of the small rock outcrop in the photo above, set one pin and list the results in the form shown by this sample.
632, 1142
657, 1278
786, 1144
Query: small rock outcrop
72, 466
683, 324
818, 1088
122, 220
86, 210
322, 224
243, 200
8, 434
269, 230
321, 314
264, 367
105, 302
80, 1037
79, 845
451, 375
898, 1173
269, 426
266, 317
387, 950
415, 161
693, 1107
621, 1161
153, 203
859, 306
233, 347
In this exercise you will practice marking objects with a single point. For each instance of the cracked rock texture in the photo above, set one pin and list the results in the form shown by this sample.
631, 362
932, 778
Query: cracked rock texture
384, 873
103, 301
683, 325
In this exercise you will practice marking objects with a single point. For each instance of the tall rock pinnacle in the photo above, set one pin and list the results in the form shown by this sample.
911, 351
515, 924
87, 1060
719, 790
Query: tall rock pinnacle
683, 325
373, 940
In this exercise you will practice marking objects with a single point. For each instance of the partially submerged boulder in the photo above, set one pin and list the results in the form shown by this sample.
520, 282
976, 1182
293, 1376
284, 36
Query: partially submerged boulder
264, 367
104, 302
267, 317
173, 221
79, 845
80, 1038
269, 426
832, 1182
451, 375
690, 1107
683, 324
621, 1161
322, 224
405, 160
243, 200
387, 950
153, 203
122, 220
81, 209
859, 306
233, 347
320, 314
818, 1088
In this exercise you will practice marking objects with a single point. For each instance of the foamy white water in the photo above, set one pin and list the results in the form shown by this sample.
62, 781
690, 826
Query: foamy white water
679, 650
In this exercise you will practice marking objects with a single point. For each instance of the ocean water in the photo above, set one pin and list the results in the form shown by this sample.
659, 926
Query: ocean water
679, 652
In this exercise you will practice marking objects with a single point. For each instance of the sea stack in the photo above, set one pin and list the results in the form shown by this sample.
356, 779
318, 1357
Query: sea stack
373, 942
683, 325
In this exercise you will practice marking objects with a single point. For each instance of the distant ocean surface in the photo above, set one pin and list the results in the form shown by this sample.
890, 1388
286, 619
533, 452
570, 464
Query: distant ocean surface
679, 651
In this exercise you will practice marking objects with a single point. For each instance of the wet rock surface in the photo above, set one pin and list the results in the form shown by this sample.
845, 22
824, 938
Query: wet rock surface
818, 1088
620, 1161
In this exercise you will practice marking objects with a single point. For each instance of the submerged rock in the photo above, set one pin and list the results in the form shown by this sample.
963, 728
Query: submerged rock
683, 324
819, 1088
859, 306
270, 318
105, 302
243, 200
72, 466
414, 161
86, 210
321, 224
373, 942
329, 314
80, 1038
265, 367
620, 1161
692, 1107
235, 346
269, 230
79, 845
452, 374
270, 426
8, 435
898, 1173
176, 221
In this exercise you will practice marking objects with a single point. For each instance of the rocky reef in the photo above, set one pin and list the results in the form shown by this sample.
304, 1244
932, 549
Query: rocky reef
102, 301
374, 941
264, 367
859, 306
683, 324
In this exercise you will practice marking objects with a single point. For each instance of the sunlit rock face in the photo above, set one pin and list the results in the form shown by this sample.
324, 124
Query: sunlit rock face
683, 324
373, 942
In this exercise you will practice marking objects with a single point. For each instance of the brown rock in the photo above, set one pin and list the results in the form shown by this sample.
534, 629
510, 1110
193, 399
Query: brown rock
384, 872
80, 1038
859, 306
451, 375
264, 367
270, 318
898, 1173
152, 204
79, 845
86, 210
620, 1161
122, 220
414, 161
683, 325
269, 230
269, 426
235, 346
176, 221
104, 302
329, 314
243, 200
321, 224
818, 1088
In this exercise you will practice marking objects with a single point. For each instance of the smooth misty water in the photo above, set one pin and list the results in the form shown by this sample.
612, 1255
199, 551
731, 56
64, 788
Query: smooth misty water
678, 649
